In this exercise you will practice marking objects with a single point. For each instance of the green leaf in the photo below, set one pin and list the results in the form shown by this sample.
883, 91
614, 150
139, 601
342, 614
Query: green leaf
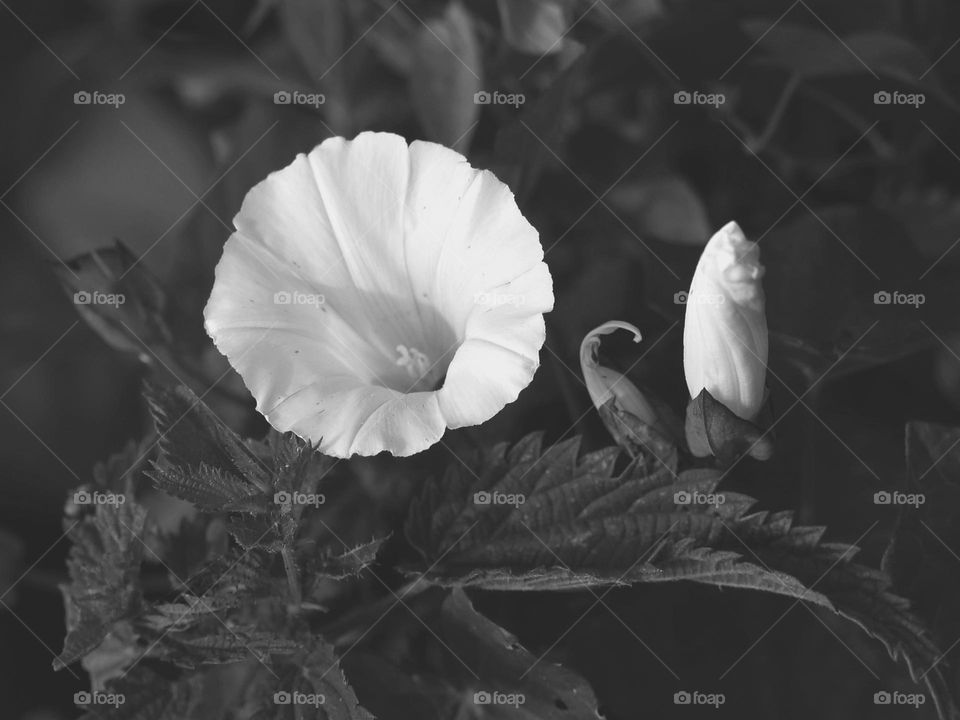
579, 525
192, 436
455, 658
346, 564
550, 691
712, 429
104, 567
320, 674
191, 650
208, 488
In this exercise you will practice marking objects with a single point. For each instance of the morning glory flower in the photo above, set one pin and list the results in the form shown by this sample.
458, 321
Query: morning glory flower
725, 330
375, 294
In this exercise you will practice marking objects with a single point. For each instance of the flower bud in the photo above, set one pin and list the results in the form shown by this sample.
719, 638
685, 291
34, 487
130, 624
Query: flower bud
725, 329
604, 383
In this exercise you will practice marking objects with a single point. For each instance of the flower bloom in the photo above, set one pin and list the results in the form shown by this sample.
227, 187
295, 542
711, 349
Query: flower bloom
725, 329
604, 383
375, 294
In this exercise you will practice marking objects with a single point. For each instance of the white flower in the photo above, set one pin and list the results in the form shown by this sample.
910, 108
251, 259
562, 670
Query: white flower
347, 299
725, 330
604, 383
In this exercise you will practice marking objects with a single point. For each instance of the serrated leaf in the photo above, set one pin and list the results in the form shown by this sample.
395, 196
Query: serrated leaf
221, 646
209, 488
586, 528
104, 566
320, 676
348, 563
191, 436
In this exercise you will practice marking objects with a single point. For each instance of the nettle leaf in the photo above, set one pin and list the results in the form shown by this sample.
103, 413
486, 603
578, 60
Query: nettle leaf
104, 568
222, 645
544, 690
532, 519
352, 562
191, 436
318, 689
458, 663
208, 488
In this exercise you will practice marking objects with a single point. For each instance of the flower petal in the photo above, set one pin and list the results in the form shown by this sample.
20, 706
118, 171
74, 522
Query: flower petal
395, 244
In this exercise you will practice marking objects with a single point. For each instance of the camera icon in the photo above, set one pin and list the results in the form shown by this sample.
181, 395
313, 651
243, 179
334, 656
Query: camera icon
882, 97
481, 97
82, 298
882, 497
482, 498
882, 298
82, 497
282, 97
882, 697
682, 698
282, 498
282, 697
680, 298
682, 497
482, 698
82, 698
682, 97
82, 98
282, 298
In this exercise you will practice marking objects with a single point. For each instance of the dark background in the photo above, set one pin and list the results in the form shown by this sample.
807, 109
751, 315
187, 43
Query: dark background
846, 197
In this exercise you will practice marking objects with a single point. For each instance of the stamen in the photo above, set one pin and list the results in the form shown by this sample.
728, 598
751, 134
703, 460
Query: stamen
418, 366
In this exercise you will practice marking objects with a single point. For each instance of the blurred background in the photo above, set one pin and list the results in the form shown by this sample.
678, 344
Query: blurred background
629, 130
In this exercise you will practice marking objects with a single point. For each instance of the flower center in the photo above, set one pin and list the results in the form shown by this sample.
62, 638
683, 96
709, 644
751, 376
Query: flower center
424, 375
